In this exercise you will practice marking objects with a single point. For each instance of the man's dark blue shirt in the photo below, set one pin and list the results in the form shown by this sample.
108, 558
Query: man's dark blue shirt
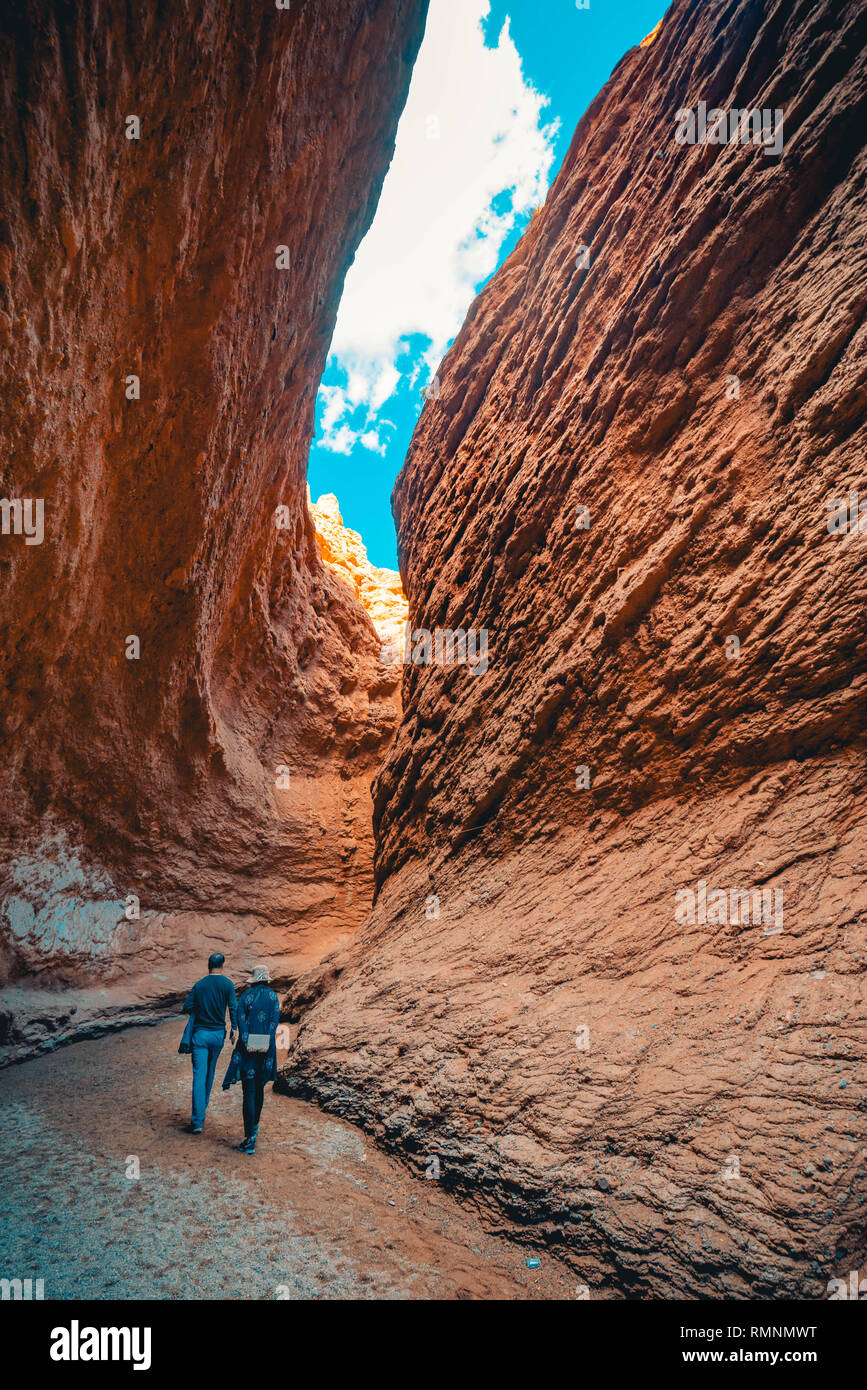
208, 1000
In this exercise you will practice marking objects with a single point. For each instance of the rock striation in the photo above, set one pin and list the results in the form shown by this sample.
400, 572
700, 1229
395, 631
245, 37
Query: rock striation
193, 705
378, 590
642, 477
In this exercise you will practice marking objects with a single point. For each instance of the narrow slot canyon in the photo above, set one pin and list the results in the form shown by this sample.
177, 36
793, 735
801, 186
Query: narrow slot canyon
553, 841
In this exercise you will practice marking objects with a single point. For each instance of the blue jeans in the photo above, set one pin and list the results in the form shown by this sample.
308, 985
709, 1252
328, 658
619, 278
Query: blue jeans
207, 1044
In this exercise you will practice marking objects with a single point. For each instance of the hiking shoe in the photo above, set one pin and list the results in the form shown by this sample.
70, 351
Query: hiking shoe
194, 1129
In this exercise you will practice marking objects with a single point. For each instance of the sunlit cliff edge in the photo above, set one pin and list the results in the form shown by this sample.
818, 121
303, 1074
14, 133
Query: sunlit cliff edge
378, 590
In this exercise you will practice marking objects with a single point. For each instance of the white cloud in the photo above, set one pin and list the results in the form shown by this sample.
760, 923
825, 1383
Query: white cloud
340, 441
384, 386
371, 440
436, 234
335, 405
343, 439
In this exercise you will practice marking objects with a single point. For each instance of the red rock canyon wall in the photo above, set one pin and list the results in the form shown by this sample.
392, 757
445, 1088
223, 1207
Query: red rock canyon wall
150, 768
629, 465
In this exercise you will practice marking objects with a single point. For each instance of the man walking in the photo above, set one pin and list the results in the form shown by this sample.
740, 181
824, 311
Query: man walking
254, 1060
208, 1001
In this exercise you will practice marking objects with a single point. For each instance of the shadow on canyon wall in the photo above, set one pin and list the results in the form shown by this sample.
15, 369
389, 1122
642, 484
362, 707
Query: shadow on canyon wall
193, 705
614, 977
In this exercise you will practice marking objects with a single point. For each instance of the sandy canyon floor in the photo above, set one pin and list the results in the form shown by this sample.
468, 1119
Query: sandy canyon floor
318, 1212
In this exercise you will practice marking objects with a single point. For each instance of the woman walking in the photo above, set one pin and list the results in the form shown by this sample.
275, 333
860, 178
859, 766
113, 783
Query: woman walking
254, 1060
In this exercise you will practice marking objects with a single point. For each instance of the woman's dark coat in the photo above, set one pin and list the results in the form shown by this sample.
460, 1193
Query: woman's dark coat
258, 1012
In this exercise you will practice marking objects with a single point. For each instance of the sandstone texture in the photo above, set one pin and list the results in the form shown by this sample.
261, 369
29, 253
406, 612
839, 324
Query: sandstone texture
679, 1108
378, 590
217, 767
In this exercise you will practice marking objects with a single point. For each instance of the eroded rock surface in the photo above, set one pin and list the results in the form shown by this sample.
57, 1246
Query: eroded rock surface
676, 345
167, 304
378, 590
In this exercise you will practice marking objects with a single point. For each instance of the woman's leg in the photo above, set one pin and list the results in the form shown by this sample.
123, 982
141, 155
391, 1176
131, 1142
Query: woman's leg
248, 1086
260, 1090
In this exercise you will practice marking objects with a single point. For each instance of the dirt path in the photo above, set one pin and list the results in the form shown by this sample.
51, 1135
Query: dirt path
317, 1213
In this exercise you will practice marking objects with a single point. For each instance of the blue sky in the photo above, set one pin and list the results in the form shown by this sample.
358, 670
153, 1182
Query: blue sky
497, 91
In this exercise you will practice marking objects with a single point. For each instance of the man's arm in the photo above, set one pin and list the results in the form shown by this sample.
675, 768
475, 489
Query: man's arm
233, 1007
190, 1002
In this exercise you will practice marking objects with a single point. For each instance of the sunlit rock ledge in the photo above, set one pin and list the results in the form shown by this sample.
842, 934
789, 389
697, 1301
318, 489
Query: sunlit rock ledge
378, 590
